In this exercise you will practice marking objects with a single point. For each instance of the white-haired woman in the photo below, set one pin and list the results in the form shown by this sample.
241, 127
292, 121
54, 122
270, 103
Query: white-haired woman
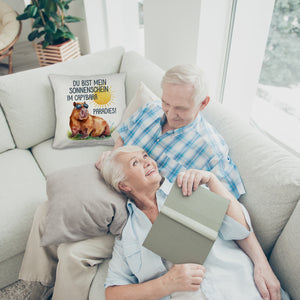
137, 273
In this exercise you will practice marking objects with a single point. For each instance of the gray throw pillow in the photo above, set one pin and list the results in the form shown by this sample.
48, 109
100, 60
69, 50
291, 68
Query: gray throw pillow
82, 206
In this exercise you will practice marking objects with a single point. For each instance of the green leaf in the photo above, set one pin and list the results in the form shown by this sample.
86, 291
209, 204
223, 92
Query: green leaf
41, 33
56, 17
50, 6
71, 19
37, 23
42, 4
32, 11
23, 16
70, 35
51, 27
64, 28
60, 5
33, 35
45, 44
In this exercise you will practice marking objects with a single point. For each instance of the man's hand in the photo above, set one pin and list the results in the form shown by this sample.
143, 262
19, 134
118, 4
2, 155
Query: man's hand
101, 159
189, 180
183, 277
266, 282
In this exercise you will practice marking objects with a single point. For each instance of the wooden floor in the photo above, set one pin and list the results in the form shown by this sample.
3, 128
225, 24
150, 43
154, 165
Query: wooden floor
23, 58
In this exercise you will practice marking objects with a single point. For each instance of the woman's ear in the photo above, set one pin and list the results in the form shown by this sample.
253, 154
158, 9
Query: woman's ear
124, 187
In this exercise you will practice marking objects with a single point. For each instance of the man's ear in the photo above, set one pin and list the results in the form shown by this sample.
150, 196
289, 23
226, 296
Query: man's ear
124, 187
204, 103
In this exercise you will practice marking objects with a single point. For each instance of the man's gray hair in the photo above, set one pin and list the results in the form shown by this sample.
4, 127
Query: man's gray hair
188, 74
111, 170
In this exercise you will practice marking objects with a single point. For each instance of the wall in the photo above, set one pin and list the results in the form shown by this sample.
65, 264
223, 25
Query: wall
171, 31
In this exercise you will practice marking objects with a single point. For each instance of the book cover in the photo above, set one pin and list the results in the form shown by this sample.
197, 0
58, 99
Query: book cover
187, 226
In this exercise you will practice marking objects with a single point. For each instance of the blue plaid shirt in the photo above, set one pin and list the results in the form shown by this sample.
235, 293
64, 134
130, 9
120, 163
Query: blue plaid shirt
195, 146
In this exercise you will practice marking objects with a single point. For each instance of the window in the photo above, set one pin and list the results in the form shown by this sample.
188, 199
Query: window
276, 109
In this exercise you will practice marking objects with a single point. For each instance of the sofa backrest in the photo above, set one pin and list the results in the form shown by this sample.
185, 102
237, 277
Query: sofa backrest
27, 97
270, 174
6, 141
138, 69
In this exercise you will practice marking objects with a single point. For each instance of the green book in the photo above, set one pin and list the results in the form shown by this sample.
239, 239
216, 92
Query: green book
187, 227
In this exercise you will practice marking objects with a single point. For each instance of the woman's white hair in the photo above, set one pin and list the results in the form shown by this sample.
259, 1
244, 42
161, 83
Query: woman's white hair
112, 170
188, 74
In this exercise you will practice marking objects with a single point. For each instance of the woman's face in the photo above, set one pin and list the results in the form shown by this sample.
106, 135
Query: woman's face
140, 170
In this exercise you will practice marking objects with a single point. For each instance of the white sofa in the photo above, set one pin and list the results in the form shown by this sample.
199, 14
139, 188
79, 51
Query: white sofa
27, 122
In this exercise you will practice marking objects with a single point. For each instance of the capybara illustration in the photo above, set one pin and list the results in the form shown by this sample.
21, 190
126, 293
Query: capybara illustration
81, 122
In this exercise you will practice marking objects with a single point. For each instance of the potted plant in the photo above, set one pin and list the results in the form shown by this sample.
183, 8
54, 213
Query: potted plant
49, 25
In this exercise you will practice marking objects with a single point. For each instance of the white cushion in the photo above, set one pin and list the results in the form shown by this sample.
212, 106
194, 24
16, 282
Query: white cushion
23, 187
51, 160
6, 141
88, 108
29, 108
270, 174
140, 69
9, 25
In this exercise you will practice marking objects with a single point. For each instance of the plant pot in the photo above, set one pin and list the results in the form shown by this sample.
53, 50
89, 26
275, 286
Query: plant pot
53, 54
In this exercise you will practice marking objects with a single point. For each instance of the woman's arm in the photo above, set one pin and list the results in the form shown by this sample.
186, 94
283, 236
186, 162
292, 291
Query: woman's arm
184, 277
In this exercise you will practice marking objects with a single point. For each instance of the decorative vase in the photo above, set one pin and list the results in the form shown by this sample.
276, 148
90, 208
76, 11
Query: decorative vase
53, 54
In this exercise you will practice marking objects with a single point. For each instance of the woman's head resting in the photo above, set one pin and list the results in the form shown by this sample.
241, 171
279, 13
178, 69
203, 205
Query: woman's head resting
130, 170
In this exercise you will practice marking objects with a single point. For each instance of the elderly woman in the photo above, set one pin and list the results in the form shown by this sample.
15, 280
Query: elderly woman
137, 273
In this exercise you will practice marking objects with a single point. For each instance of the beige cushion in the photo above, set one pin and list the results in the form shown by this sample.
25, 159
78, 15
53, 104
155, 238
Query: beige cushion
271, 175
23, 187
140, 69
82, 206
6, 141
34, 119
142, 96
285, 255
51, 160
9, 26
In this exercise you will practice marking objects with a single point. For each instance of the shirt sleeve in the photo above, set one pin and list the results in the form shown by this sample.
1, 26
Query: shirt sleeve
119, 272
125, 129
225, 169
233, 230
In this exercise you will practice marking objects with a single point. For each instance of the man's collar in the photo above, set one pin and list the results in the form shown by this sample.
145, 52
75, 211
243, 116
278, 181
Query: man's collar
181, 129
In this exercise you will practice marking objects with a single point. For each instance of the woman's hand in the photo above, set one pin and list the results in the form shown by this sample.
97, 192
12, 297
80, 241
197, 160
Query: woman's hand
183, 277
189, 180
101, 159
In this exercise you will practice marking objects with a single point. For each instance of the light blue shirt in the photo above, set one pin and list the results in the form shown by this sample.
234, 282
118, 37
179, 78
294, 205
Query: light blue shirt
195, 146
229, 271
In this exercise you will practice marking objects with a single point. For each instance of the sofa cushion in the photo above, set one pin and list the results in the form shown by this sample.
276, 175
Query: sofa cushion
6, 141
270, 174
27, 97
88, 108
140, 69
23, 187
285, 255
51, 160
82, 206
142, 96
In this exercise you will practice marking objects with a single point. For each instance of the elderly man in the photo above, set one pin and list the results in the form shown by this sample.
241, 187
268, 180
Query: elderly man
176, 135
141, 274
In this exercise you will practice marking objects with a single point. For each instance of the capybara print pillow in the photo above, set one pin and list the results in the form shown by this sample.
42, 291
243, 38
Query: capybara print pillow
88, 108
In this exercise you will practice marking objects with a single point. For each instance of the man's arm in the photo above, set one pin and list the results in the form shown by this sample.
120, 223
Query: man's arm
264, 277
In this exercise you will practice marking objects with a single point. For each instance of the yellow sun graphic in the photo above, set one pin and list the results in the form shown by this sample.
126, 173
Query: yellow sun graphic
102, 97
